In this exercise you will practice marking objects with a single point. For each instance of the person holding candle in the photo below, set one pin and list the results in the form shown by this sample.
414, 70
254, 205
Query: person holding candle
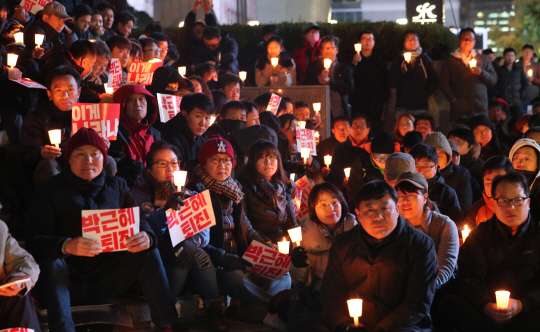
17, 21
282, 74
308, 51
383, 250
465, 86
530, 67
341, 129
486, 135
499, 255
512, 83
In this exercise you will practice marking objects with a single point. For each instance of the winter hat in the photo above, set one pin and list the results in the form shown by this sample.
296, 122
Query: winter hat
85, 136
414, 178
438, 141
454, 146
397, 163
216, 145
383, 143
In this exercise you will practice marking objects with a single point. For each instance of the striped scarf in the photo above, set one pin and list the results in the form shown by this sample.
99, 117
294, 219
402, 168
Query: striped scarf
228, 188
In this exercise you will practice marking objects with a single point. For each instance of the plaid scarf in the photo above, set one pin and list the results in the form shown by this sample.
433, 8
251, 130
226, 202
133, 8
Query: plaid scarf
228, 188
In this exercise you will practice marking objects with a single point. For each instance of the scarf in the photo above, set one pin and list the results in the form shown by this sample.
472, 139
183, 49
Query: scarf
414, 54
228, 188
275, 192
458, 54
330, 233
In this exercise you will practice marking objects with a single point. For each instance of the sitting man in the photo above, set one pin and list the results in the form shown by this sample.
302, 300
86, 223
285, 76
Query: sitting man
232, 117
341, 130
73, 268
230, 84
500, 254
385, 262
525, 156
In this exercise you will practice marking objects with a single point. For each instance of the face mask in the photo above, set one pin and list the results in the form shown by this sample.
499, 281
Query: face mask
530, 176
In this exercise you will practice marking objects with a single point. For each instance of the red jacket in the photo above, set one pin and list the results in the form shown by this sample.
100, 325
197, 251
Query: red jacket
302, 59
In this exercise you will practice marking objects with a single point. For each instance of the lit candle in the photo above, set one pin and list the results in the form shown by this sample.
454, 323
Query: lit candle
327, 160
317, 137
355, 309
55, 136
274, 61
109, 90
283, 247
358, 47
12, 60
503, 297
465, 232
304, 152
212, 119
179, 178
472, 63
182, 71
19, 37
316, 107
347, 172
154, 60
327, 63
298, 201
302, 124
92, 40
293, 175
530, 72
243, 75
407, 56
296, 235
39, 39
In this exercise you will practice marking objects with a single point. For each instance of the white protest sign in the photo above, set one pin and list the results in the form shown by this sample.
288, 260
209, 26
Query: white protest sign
34, 6
111, 227
267, 262
305, 138
273, 104
304, 186
169, 106
115, 74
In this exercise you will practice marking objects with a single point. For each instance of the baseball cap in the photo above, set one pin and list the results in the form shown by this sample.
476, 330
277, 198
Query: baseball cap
397, 163
310, 25
56, 9
417, 179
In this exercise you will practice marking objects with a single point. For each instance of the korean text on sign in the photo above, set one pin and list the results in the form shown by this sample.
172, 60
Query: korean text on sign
103, 118
305, 138
34, 6
142, 72
267, 262
169, 106
305, 186
115, 74
30, 84
111, 227
17, 329
273, 104
196, 216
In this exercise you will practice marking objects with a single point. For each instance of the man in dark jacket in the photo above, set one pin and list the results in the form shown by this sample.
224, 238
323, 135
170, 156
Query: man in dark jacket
341, 130
219, 49
82, 16
464, 83
500, 254
339, 77
385, 262
309, 51
74, 271
513, 84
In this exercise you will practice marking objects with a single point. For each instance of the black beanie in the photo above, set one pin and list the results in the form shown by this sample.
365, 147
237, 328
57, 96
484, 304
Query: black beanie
383, 143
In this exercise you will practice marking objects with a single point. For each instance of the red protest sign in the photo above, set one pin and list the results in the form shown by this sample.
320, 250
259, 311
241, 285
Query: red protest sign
267, 262
30, 84
169, 106
273, 104
34, 6
303, 185
17, 329
103, 118
305, 138
142, 72
111, 227
194, 217
115, 74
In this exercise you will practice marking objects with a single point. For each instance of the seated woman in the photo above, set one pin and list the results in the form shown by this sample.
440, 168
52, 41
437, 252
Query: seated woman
284, 73
485, 133
328, 216
404, 124
155, 194
232, 234
268, 193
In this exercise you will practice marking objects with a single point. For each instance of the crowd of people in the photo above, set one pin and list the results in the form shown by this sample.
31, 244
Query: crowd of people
386, 216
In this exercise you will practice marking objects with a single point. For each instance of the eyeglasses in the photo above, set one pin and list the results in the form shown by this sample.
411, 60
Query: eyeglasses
164, 163
359, 127
217, 160
424, 168
503, 202
380, 158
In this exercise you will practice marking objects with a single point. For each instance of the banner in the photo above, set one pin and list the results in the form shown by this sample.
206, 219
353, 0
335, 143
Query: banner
17, 329
273, 104
103, 118
111, 227
142, 72
115, 74
303, 185
169, 106
34, 6
305, 138
196, 216
267, 262
30, 84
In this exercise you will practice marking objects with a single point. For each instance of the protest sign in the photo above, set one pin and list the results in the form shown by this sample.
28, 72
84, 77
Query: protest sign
115, 74
267, 262
17, 329
196, 216
273, 104
142, 72
305, 138
169, 106
111, 227
34, 6
30, 84
304, 186
103, 118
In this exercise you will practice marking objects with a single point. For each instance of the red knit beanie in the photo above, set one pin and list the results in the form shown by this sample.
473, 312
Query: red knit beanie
216, 145
85, 136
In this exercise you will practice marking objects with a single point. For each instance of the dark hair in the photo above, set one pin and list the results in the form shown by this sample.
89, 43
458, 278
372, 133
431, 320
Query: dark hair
361, 116
411, 139
463, 132
482, 120
136, 48
211, 33
511, 177
258, 150
270, 120
249, 105
173, 53
425, 117
495, 103
227, 79
285, 120
365, 32
270, 29
147, 41
204, 68
508, 50
219, 99
464, 30
374, 190
102, 50
197, 100
118, 41
157, 146
424, 151
264, 99
62, 71
299, 104
343, 118
330, 38
313, 199
152, 28
82, 48
497, 162
534, 129
488, 51
124, 18
411, 32
527, 46
275, 39
160, 36
81, 10
397, 135
409, 188
231, 105
100, 7
204, 86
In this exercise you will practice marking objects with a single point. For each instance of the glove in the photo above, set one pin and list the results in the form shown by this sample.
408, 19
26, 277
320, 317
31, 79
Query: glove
130, 170
299, 257
174, 201
185, 254
232, 262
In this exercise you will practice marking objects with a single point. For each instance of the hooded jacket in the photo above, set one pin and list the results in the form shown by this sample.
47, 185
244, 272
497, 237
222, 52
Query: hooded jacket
444, 196
363, 170
134, 138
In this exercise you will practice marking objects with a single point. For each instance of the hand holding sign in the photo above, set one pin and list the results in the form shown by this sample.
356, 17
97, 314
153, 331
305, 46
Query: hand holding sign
110, 230
169, 106
81, 246
142, 72
268, 263
103, 118
14, 285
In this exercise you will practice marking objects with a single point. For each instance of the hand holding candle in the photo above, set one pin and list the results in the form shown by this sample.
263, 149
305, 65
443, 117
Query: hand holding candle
182, 71
316, 107
243, 75
503, 297
472, 63
109, 90
293, 175
19, 37
530, 72
302, 124
327, 160
304, 153
283, 247
465, 232
55, 136
407, 56
327, 63
39, 39
180, 178
12, 60
274, 62
358, 47
296, 235
355, 310
347, 172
